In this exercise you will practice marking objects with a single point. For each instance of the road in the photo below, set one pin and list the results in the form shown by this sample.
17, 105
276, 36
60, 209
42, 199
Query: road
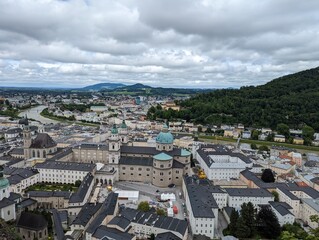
34, 113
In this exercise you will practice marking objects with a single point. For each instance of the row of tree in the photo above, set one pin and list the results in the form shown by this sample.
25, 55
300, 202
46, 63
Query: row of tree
249, 223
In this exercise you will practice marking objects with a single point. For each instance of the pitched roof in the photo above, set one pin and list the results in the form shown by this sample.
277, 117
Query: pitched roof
80, 194
106, 233
200, 196
43, 140
32, 221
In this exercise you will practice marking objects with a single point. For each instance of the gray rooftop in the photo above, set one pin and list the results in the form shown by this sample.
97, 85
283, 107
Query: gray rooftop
281, 207
71, 166
205, 151
108, 208
151, 219
136, 161
86, 214
62, 194
58, 229
106, 233
79, 195
200, 197
248, 192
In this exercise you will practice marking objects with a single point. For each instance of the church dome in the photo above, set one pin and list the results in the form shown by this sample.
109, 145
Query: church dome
114, 130
3, 181
123, 125
165, 137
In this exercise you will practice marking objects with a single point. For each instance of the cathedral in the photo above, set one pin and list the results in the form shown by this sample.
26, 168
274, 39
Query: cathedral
161, 165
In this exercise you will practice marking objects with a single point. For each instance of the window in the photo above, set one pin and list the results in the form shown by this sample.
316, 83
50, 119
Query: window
132, 168
161, 173
140, 169
162, 166
147, 169
8, 212
123, 168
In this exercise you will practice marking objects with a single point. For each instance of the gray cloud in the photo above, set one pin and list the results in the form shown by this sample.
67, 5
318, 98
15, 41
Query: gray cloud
182, 43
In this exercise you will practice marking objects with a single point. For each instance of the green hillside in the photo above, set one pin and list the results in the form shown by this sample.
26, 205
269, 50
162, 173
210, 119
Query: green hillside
292, 99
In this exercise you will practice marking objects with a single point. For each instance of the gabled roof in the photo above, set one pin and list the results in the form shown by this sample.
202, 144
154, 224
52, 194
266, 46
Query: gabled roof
43, 140
32, 221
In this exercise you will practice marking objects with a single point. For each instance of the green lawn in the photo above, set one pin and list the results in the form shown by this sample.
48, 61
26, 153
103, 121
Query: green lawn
52, 187
257, 142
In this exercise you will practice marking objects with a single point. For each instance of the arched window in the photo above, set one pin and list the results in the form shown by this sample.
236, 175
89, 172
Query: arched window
44, 154
33, 153
38, 153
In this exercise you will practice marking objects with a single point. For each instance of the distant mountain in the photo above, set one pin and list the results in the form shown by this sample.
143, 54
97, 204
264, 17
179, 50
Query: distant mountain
100, 86
292, 99
137, 86
141, 89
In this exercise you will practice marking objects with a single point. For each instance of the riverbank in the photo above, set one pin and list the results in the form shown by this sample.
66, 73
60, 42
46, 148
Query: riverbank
64, 120
259, 143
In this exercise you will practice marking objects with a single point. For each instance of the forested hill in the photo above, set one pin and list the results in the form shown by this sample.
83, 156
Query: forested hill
292, 99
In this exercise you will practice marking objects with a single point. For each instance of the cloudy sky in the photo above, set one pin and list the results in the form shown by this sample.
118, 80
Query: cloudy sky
180, 43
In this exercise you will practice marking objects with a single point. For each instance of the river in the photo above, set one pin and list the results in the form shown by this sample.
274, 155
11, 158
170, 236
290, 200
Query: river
34, 113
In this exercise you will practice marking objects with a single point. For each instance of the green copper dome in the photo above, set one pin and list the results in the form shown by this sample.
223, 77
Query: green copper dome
123, 125
165, 137
114, 130
163, 157
3, 181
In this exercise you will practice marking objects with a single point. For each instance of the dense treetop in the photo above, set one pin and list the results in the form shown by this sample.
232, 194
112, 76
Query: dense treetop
292, 99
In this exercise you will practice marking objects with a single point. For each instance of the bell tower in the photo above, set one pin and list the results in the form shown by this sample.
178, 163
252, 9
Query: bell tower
114, 146
27, 140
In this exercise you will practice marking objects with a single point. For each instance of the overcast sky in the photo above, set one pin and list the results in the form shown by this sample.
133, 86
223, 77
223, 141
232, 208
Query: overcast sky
168, 43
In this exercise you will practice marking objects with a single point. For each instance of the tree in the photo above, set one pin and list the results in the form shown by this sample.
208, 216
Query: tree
276, 195
268, 225
255, 134
242, 230
263, 148
144, 206
308, 133
160, 211
208, 130
77, 183
268, 176
152, 237
233, 222
295, 229
285, 235
253, 146
315, 231
199, 129
247, 212
283, 129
